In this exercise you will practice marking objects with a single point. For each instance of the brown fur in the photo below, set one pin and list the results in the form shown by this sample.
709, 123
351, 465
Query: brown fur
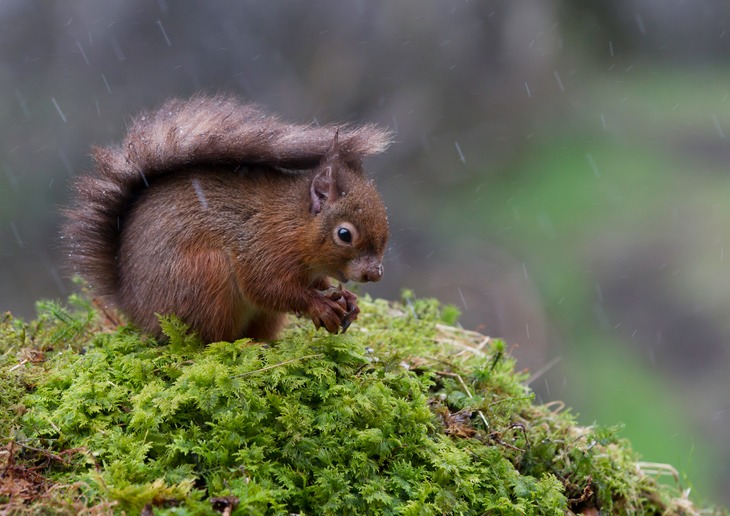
228, 218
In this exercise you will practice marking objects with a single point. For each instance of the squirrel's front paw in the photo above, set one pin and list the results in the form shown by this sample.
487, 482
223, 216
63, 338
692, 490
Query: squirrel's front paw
352, 309
347, 300
328, 312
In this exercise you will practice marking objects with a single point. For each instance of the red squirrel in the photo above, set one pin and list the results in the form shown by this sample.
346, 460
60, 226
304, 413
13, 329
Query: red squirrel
229, 218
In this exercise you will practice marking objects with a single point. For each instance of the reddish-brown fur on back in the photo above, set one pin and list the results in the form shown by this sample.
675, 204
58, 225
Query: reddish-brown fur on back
193, 214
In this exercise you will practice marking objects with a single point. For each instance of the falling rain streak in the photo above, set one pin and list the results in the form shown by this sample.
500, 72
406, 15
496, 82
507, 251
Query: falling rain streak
144, 178
715, 121
200, 193
461, 154
463, 300
83, 54
593, 165
106, 83
14, 229
164, 33
58, 108
559, 81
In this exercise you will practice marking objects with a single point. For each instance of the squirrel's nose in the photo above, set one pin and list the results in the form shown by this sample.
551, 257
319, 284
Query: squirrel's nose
374, 273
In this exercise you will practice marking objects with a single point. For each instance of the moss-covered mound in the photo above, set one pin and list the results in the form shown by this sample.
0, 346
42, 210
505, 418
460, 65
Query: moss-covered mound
402, 415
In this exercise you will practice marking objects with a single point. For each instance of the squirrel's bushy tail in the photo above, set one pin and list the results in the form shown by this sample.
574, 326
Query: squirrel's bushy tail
203, 131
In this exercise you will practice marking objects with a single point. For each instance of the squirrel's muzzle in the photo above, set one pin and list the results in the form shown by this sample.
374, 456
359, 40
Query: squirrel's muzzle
364, 269
374, 273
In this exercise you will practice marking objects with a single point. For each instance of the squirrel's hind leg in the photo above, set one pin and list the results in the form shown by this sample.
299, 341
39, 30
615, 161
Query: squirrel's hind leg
265, 326
206, 296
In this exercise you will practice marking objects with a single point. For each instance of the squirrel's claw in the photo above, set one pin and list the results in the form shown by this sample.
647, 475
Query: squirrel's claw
349, 317
352, 310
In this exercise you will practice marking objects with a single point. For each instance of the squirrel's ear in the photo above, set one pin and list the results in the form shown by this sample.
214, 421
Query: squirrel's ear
323, 189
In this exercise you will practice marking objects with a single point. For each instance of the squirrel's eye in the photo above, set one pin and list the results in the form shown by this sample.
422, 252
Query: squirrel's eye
344, 235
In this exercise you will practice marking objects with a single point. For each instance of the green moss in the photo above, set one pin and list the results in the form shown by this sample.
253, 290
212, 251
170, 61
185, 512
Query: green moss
402, 415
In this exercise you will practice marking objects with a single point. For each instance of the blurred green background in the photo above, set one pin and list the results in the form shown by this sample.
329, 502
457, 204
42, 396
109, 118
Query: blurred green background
560, 171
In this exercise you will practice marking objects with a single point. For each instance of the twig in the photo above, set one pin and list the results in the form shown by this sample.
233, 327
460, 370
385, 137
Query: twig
19, 364
656, 468
272, 366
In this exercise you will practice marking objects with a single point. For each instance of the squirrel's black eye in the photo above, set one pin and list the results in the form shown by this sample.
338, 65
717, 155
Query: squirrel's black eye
344, 235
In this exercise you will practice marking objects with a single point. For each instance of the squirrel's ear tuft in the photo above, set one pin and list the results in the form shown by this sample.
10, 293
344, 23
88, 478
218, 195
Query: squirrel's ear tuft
334, 149
323, 188
324, 184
